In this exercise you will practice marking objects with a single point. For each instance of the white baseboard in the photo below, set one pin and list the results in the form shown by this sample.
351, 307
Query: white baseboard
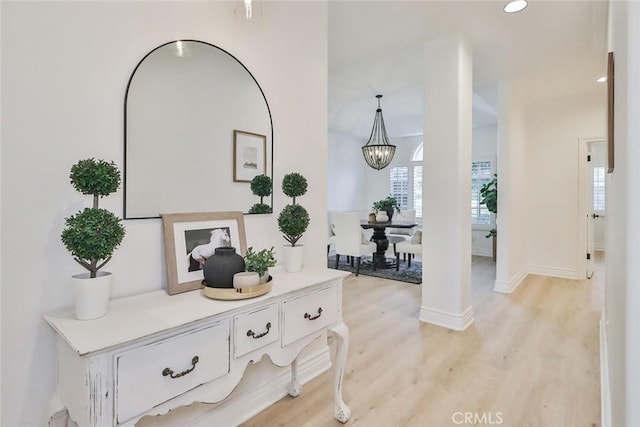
457, 322
605, 392
506, 287
482, 252
563, 273
245, 405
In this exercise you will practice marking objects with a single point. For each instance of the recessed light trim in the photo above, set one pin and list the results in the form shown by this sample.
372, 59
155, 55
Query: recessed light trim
515, 6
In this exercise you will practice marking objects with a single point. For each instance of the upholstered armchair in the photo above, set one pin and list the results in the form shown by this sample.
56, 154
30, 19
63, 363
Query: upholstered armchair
350, 240
409, 248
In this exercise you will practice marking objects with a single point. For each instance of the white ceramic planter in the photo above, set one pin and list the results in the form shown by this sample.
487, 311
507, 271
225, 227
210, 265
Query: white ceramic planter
293, 256
245, 279
91, 296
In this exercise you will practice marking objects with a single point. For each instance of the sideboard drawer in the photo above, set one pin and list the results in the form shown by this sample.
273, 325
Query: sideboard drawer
159, 371
256, 329
309, 313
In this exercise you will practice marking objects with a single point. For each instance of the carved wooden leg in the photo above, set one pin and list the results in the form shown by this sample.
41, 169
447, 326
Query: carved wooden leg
294, 386
342, 412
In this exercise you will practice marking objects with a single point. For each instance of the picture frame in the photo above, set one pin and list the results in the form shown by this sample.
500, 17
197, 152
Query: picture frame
249, 155
610, 112
190, 237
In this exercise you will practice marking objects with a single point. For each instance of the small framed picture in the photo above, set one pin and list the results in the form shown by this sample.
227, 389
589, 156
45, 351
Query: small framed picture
249, 155
191, 238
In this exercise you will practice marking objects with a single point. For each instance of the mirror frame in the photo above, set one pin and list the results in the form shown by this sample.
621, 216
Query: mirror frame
126, 97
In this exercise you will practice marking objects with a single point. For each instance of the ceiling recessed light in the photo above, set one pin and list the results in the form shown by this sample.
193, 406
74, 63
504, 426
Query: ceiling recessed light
602, 79
515, 6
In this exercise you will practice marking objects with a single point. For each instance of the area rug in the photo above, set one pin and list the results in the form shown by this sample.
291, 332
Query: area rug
411, 274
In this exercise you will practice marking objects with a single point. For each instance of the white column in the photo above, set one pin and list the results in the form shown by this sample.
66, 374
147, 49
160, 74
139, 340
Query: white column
511, 221
446, 247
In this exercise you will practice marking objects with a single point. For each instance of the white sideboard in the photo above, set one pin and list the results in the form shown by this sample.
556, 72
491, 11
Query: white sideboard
154, 352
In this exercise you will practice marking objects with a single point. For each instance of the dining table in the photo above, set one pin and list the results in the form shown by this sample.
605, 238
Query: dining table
381, 239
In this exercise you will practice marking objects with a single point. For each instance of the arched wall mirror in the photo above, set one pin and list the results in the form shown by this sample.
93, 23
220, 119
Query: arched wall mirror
197, 130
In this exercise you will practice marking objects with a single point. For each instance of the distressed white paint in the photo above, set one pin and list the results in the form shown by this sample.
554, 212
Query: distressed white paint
107, 377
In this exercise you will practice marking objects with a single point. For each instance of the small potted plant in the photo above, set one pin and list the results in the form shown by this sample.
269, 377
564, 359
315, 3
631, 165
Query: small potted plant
92, 235
293, 220
388, 204
261, 186
259, 262
489, 194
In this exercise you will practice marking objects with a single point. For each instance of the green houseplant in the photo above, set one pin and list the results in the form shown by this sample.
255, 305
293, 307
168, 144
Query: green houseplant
93, 234
388, 204
489, 198
261, 186
293, 220
260, 261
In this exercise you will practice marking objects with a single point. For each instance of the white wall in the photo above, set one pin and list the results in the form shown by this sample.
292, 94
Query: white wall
65, 69
621, 318
345, 174
553, 131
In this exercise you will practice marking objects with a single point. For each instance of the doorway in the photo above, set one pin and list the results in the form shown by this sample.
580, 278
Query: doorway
593, 159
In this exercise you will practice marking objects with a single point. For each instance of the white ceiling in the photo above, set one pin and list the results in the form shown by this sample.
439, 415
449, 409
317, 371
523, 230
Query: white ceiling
555, 48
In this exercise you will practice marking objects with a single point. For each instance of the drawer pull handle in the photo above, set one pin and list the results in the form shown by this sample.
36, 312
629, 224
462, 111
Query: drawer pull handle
308, 316
253, 335
169, 372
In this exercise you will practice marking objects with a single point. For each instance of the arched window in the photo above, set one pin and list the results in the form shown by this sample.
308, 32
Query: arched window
417, 153
405, 183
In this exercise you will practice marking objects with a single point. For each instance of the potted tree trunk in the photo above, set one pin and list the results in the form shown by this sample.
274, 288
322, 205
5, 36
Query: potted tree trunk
489, 194
293, 221
92, 235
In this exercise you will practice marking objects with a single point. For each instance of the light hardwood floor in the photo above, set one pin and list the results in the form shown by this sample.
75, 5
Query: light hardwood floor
529, 359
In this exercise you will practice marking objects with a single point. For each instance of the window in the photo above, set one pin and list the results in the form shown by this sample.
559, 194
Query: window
399, 185
405, 183
481, 173
417, 190
598, 188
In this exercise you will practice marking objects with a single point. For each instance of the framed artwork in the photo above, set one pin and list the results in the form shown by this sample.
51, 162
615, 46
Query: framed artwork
190, 238
249, 155
610, 116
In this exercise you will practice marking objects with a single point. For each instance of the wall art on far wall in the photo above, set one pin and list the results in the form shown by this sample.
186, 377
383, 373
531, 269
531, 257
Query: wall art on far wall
191, 238
249, 155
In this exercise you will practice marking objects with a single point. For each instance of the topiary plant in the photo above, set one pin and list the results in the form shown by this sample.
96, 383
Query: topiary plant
261, 185
93, 234
293, 219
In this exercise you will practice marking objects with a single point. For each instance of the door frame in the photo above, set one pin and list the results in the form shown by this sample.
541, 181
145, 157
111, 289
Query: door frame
583, 209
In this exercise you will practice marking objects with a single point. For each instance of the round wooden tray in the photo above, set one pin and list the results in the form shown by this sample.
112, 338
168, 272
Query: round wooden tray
236, 294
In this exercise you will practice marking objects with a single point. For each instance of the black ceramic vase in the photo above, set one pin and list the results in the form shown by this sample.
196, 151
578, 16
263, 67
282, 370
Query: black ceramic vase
220, 267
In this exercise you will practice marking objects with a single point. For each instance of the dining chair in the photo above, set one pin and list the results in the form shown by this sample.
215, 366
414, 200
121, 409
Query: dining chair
331, 235
350, 240
409, 248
